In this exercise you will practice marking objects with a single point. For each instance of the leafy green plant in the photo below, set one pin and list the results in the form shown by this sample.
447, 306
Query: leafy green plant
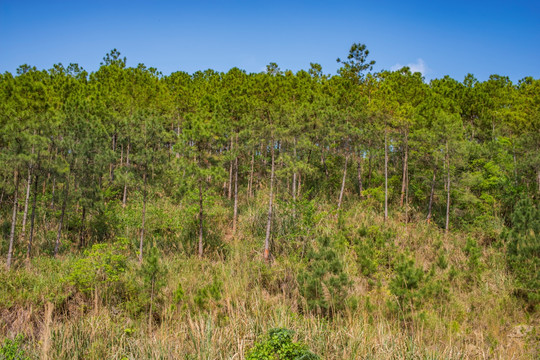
103, 264
12, 349
278, 345
407, 283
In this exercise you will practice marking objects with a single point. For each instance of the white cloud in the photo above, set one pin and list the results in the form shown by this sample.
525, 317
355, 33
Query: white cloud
420, 66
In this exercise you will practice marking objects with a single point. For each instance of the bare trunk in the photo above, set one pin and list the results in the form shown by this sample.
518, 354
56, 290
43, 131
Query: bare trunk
13, 221
124, 197
235, 212
405, 168
343, 183
62, 214
269, 221
25, 213
250, 185
141, 241
201, 213
430, 206
359, 172
32, 218
81, 234
229, 194
447, 226
385, 174
53, 191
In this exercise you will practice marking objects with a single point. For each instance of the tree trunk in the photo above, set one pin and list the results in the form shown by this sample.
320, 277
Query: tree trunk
405, 168
229, 194
201, 213
250, 185
235, 212
269, 221
359, 171
141, 241
25, 213
13, 220
385, 174
370, 169
430, 206
53, 191
447, 226
124, 197
81, 234
32, 217
64, 204
343, 183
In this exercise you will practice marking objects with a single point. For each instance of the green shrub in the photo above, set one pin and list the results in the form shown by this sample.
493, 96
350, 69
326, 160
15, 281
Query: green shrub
523, 246
406, 284
12, 349
278, 345
324, 283
103, 264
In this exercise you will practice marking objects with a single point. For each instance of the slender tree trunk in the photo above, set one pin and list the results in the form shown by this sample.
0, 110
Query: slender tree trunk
431, 194
235, 212
53, 191
32, 216
405, 168
13, 220
250, 185
299, 184
370, 169
385, 174
25, 213
62, 214
141, 241
359, 173
111, 167
447, 226
201, 213
81, 234
343, 183
229, 194
269, 221
124, 197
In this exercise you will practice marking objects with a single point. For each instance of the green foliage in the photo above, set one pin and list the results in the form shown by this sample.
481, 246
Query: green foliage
12, 349
101, 265
324, 282
523, 241
207, 293
278, 345
473, 252
406, 284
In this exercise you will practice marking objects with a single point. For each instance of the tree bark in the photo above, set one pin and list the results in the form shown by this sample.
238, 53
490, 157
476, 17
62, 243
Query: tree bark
201, 213
266, 254
229, 196
430, 206
385, 174
32, 217
25, 213
447, 226
359, 173
141, 241
124, 197
250, 185
13, 220
62, 214
343, 183
235, 212
405, 169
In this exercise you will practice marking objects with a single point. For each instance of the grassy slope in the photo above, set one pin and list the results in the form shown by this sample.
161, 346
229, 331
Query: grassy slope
468, 312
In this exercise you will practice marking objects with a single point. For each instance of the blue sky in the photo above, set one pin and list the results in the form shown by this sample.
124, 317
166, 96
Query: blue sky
436, 37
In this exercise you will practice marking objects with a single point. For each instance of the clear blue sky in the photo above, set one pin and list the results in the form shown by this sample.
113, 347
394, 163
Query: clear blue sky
440, 38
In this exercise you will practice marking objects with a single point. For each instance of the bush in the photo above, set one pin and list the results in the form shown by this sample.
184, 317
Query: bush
406, 284
11, 349
278, 345
523, 246
324, 283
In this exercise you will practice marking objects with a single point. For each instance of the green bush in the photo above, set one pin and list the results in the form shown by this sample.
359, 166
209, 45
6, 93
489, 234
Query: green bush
103, 264
523, 246
278, 345
324, 283
406, 284
12, 349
